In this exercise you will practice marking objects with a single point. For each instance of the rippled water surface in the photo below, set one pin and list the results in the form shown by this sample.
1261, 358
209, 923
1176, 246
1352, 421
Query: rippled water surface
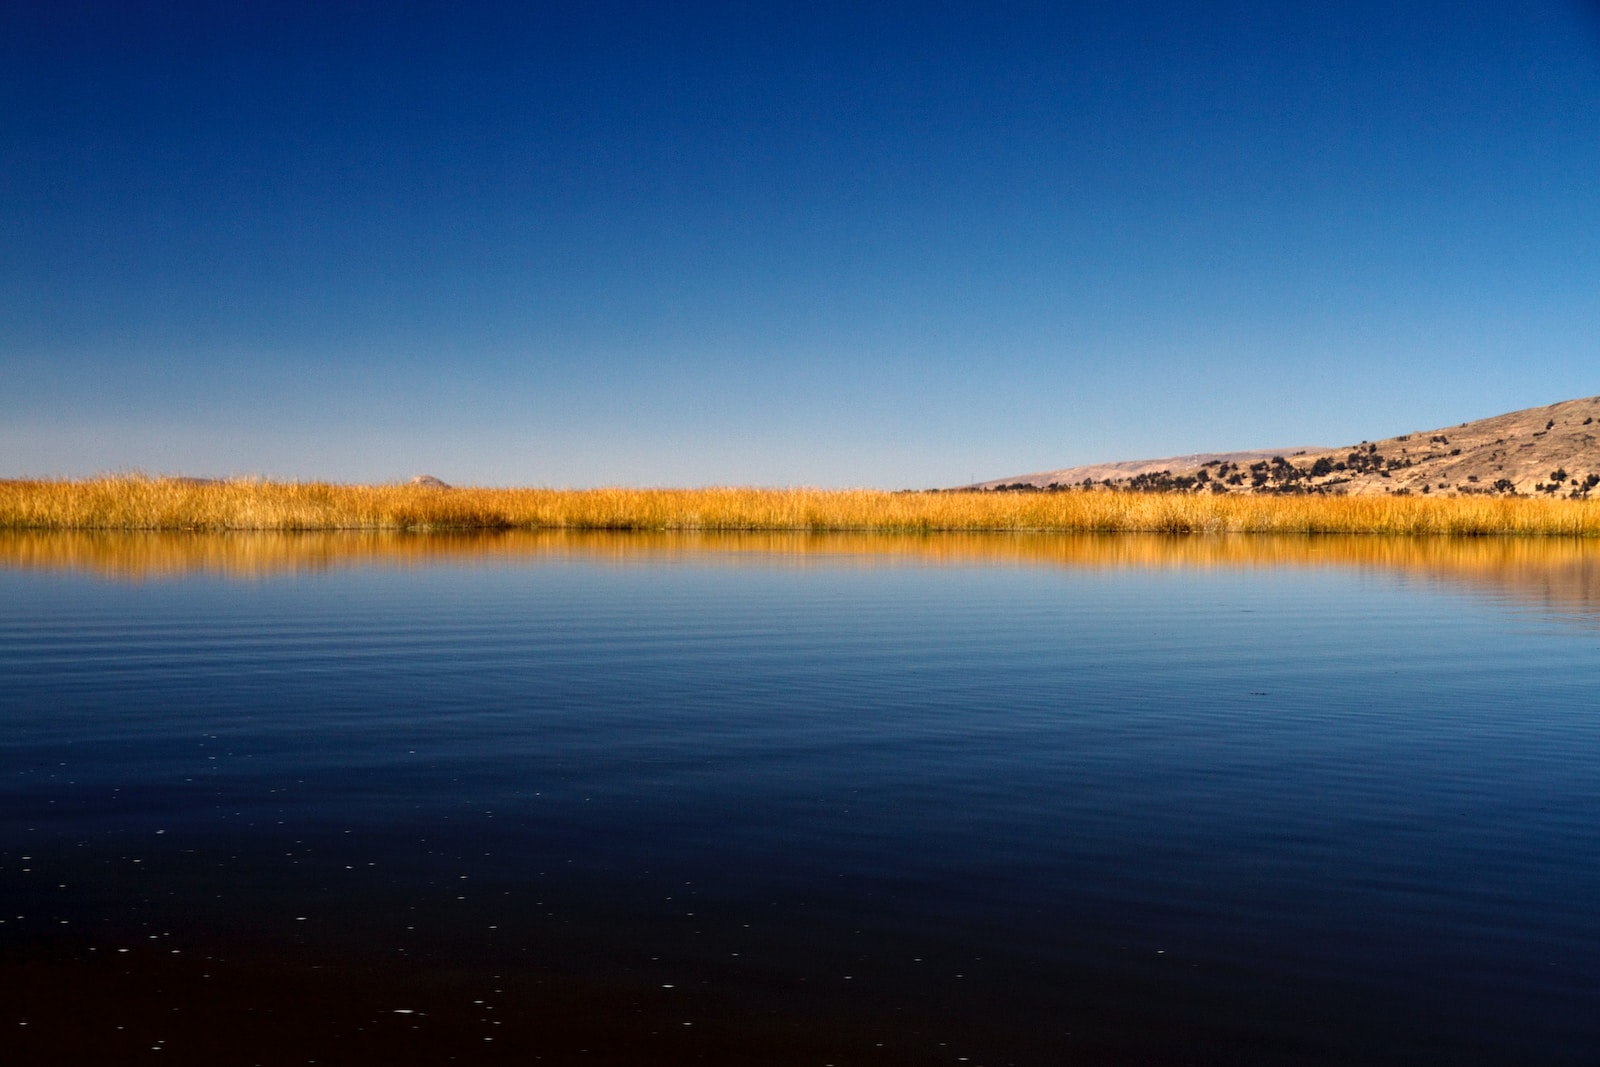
616, 799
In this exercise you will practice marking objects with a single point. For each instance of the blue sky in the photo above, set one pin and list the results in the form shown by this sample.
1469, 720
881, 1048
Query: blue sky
895, 245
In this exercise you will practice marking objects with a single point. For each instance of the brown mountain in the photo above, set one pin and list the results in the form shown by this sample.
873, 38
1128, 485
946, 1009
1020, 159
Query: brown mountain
1544, 451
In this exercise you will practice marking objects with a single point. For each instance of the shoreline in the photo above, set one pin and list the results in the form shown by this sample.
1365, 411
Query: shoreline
174, 504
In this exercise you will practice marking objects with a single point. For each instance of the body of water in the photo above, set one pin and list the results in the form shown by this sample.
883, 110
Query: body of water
804, 800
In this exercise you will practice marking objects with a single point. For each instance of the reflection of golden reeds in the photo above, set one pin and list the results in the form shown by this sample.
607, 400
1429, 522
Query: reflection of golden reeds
139, 503
1559, 573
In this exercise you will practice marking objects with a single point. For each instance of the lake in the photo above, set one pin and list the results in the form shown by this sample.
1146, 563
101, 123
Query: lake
796, 799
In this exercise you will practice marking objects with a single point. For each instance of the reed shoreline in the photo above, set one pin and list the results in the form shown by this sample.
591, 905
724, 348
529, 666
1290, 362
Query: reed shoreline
173, 504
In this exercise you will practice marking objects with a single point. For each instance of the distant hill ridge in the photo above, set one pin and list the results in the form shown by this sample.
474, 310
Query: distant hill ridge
1544, 451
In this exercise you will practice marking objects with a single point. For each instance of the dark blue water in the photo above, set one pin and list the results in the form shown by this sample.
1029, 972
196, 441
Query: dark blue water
762, 808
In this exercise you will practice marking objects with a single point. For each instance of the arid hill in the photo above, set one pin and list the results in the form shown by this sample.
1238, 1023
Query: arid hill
1544, 451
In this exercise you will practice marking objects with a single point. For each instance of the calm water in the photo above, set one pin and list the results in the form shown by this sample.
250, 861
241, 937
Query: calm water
646, 800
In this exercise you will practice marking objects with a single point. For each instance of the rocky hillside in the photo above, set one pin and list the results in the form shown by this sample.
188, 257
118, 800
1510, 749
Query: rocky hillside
1544, 451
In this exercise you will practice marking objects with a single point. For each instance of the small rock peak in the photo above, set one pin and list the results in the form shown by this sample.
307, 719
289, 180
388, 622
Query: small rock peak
428, 481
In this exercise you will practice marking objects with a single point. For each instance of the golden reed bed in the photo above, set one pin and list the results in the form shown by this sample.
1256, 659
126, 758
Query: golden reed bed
140, 503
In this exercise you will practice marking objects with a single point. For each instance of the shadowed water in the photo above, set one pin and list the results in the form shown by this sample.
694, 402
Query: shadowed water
796, 799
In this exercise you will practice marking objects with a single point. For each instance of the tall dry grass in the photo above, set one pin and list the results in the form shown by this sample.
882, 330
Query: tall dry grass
141, 503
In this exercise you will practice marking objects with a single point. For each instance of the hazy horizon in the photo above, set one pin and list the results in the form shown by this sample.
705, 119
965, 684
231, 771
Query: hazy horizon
887, 245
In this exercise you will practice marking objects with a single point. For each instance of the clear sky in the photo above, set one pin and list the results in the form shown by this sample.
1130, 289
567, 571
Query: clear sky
897, 245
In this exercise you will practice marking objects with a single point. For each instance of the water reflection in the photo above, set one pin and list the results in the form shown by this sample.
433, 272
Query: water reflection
1561, 575
827, 798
